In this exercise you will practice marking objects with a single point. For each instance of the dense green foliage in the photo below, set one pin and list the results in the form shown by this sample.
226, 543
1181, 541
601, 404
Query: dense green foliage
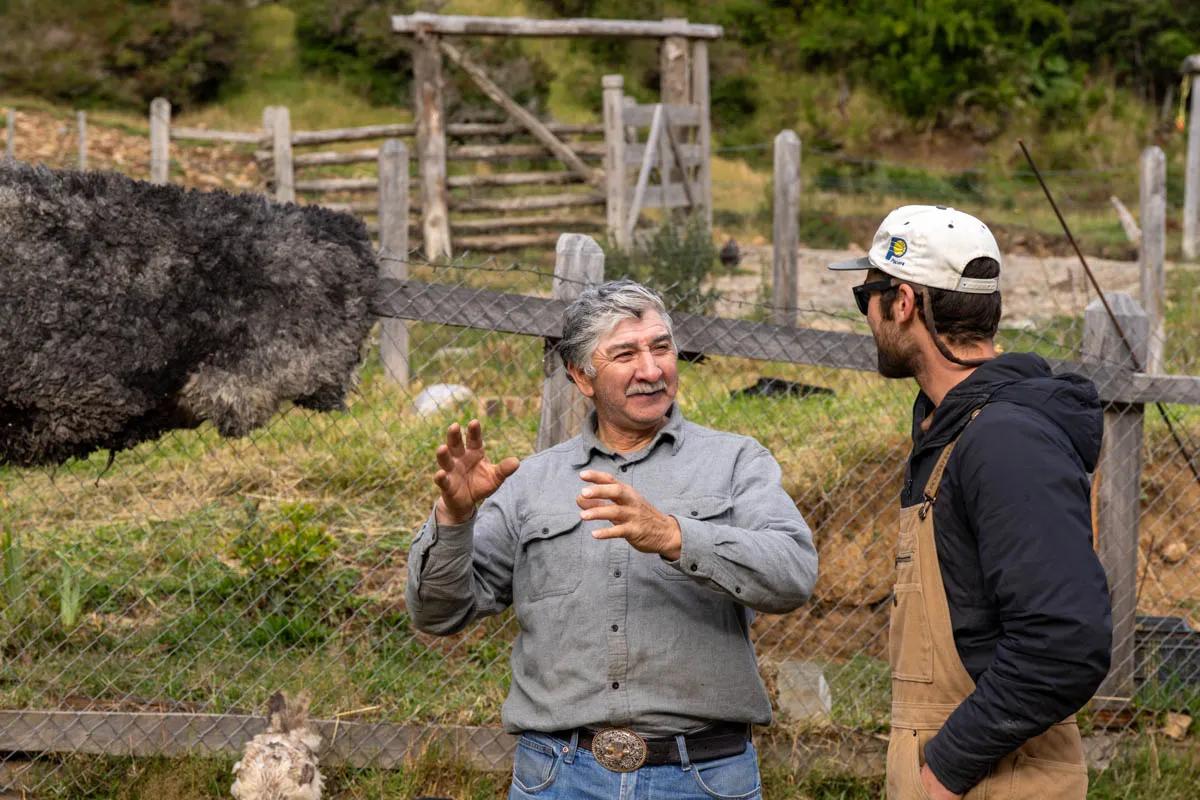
118, 53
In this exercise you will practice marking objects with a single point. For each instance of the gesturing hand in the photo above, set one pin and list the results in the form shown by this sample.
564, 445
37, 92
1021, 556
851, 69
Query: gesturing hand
633, 518
466, 477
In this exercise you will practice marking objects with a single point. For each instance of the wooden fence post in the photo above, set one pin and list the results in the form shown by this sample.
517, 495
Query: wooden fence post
429, 109
614, 158
675, 77
268, 123
1152, 250
785, 237
700, 99
1191, 181
1118, 494
160, 140
578, 260
10, 130
81, 127
285, 176
393, 252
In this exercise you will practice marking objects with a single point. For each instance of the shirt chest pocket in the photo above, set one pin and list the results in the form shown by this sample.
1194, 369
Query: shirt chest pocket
551, 555
713, 508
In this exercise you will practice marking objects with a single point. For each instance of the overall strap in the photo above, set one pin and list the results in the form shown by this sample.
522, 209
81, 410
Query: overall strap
935, 478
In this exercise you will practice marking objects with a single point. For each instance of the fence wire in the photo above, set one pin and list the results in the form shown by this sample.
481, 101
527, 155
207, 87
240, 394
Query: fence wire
196, 575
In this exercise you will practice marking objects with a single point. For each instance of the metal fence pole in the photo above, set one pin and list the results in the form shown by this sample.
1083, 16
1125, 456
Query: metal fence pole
578, 260
1152, 250
393, 252
1118, 493
160, 139
785, 236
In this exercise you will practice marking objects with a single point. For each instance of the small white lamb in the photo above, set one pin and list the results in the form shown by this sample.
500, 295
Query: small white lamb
281, 764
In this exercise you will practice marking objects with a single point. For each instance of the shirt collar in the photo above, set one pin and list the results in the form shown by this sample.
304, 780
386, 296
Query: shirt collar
589, 441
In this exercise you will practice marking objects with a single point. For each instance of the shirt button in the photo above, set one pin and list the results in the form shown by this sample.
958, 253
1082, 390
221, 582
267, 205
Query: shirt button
695, 513
695, 567
737, 590
545, 530
616, 685
617, 574
615, 628
624, 468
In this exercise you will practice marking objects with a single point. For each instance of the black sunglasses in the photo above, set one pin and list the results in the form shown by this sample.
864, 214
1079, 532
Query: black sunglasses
863, 292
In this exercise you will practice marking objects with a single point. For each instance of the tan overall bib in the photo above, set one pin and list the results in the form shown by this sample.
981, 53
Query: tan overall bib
929, 682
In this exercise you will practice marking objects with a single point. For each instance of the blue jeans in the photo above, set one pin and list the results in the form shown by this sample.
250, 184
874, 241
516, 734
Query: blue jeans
547, 768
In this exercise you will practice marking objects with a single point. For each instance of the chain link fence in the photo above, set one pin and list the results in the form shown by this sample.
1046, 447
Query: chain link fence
152, 604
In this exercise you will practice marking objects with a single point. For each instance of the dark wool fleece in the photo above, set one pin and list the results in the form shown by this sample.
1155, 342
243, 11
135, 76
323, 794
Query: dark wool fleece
129, 309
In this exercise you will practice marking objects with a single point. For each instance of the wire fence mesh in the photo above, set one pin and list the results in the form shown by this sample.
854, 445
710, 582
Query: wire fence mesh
197, 575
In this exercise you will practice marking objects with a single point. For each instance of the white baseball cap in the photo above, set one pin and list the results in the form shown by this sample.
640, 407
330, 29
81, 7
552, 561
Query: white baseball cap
930, 246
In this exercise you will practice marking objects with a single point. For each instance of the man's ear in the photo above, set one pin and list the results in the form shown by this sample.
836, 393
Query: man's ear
581, 380
904, 307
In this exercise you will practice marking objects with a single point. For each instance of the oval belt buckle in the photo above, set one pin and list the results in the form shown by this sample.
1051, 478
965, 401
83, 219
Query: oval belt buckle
619, 749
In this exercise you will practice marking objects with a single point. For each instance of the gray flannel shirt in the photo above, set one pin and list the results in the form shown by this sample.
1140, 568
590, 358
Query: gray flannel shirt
610, 635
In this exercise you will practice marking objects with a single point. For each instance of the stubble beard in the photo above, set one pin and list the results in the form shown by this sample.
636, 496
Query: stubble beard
893, 361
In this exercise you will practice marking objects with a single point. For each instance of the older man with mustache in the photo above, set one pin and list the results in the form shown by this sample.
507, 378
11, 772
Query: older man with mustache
634, 556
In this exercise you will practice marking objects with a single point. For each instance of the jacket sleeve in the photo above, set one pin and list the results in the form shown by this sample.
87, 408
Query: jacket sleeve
1024, 494
764, 557
458, 573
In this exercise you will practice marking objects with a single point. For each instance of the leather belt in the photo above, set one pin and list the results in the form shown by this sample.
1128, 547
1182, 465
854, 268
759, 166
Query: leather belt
618, 749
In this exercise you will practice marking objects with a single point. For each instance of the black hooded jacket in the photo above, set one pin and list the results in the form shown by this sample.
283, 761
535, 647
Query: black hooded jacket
1028, 598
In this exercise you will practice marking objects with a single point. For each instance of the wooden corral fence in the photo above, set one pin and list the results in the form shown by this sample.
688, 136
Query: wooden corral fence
1104, 359
81, 138
684, 91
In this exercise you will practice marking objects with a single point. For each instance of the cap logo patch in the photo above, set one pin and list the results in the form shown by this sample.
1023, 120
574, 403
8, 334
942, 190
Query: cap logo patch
896, 250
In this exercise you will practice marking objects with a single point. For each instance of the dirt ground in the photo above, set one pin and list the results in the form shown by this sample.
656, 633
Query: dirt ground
1036, 288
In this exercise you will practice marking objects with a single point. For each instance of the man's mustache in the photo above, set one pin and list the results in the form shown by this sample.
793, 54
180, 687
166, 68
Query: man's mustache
641, 387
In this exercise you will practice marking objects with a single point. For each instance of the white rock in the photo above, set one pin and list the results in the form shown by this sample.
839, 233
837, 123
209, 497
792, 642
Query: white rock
804, 693
441, 397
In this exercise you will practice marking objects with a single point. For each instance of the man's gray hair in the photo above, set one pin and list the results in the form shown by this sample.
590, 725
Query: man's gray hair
597, 311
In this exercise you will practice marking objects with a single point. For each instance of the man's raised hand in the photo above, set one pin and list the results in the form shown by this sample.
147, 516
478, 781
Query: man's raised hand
633, 518
465, 476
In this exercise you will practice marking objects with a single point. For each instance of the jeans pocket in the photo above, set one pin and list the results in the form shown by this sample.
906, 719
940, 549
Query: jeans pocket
535, 765
732, 778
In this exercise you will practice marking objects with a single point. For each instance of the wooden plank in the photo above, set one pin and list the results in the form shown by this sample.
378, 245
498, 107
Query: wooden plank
682, 114
361, 207
785, 229
81, 135
230, 137
578, 263
527, 202
428, 87
345, 743
518, 26
515, 110
338, 185
545, 178
501, 152
10, 130
677, 158
160, 140
1153, 250
281, 136
673, 196
558, 222
1118, 505
393, 252
614, 157
689, 153
649, 152
330, 157
675, 77
1128, 224
1191, 180
700, 99
362, 133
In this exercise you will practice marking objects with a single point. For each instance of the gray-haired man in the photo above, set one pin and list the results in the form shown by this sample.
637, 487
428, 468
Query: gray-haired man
634, 556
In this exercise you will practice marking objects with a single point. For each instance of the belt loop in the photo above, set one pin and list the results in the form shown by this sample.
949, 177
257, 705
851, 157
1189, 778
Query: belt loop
572, 748
684, 763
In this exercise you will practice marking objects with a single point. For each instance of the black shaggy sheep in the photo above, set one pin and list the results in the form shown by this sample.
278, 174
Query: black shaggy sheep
128, 309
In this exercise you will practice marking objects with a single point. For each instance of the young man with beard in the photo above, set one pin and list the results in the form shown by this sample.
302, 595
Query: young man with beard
1000, 621
634, 556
